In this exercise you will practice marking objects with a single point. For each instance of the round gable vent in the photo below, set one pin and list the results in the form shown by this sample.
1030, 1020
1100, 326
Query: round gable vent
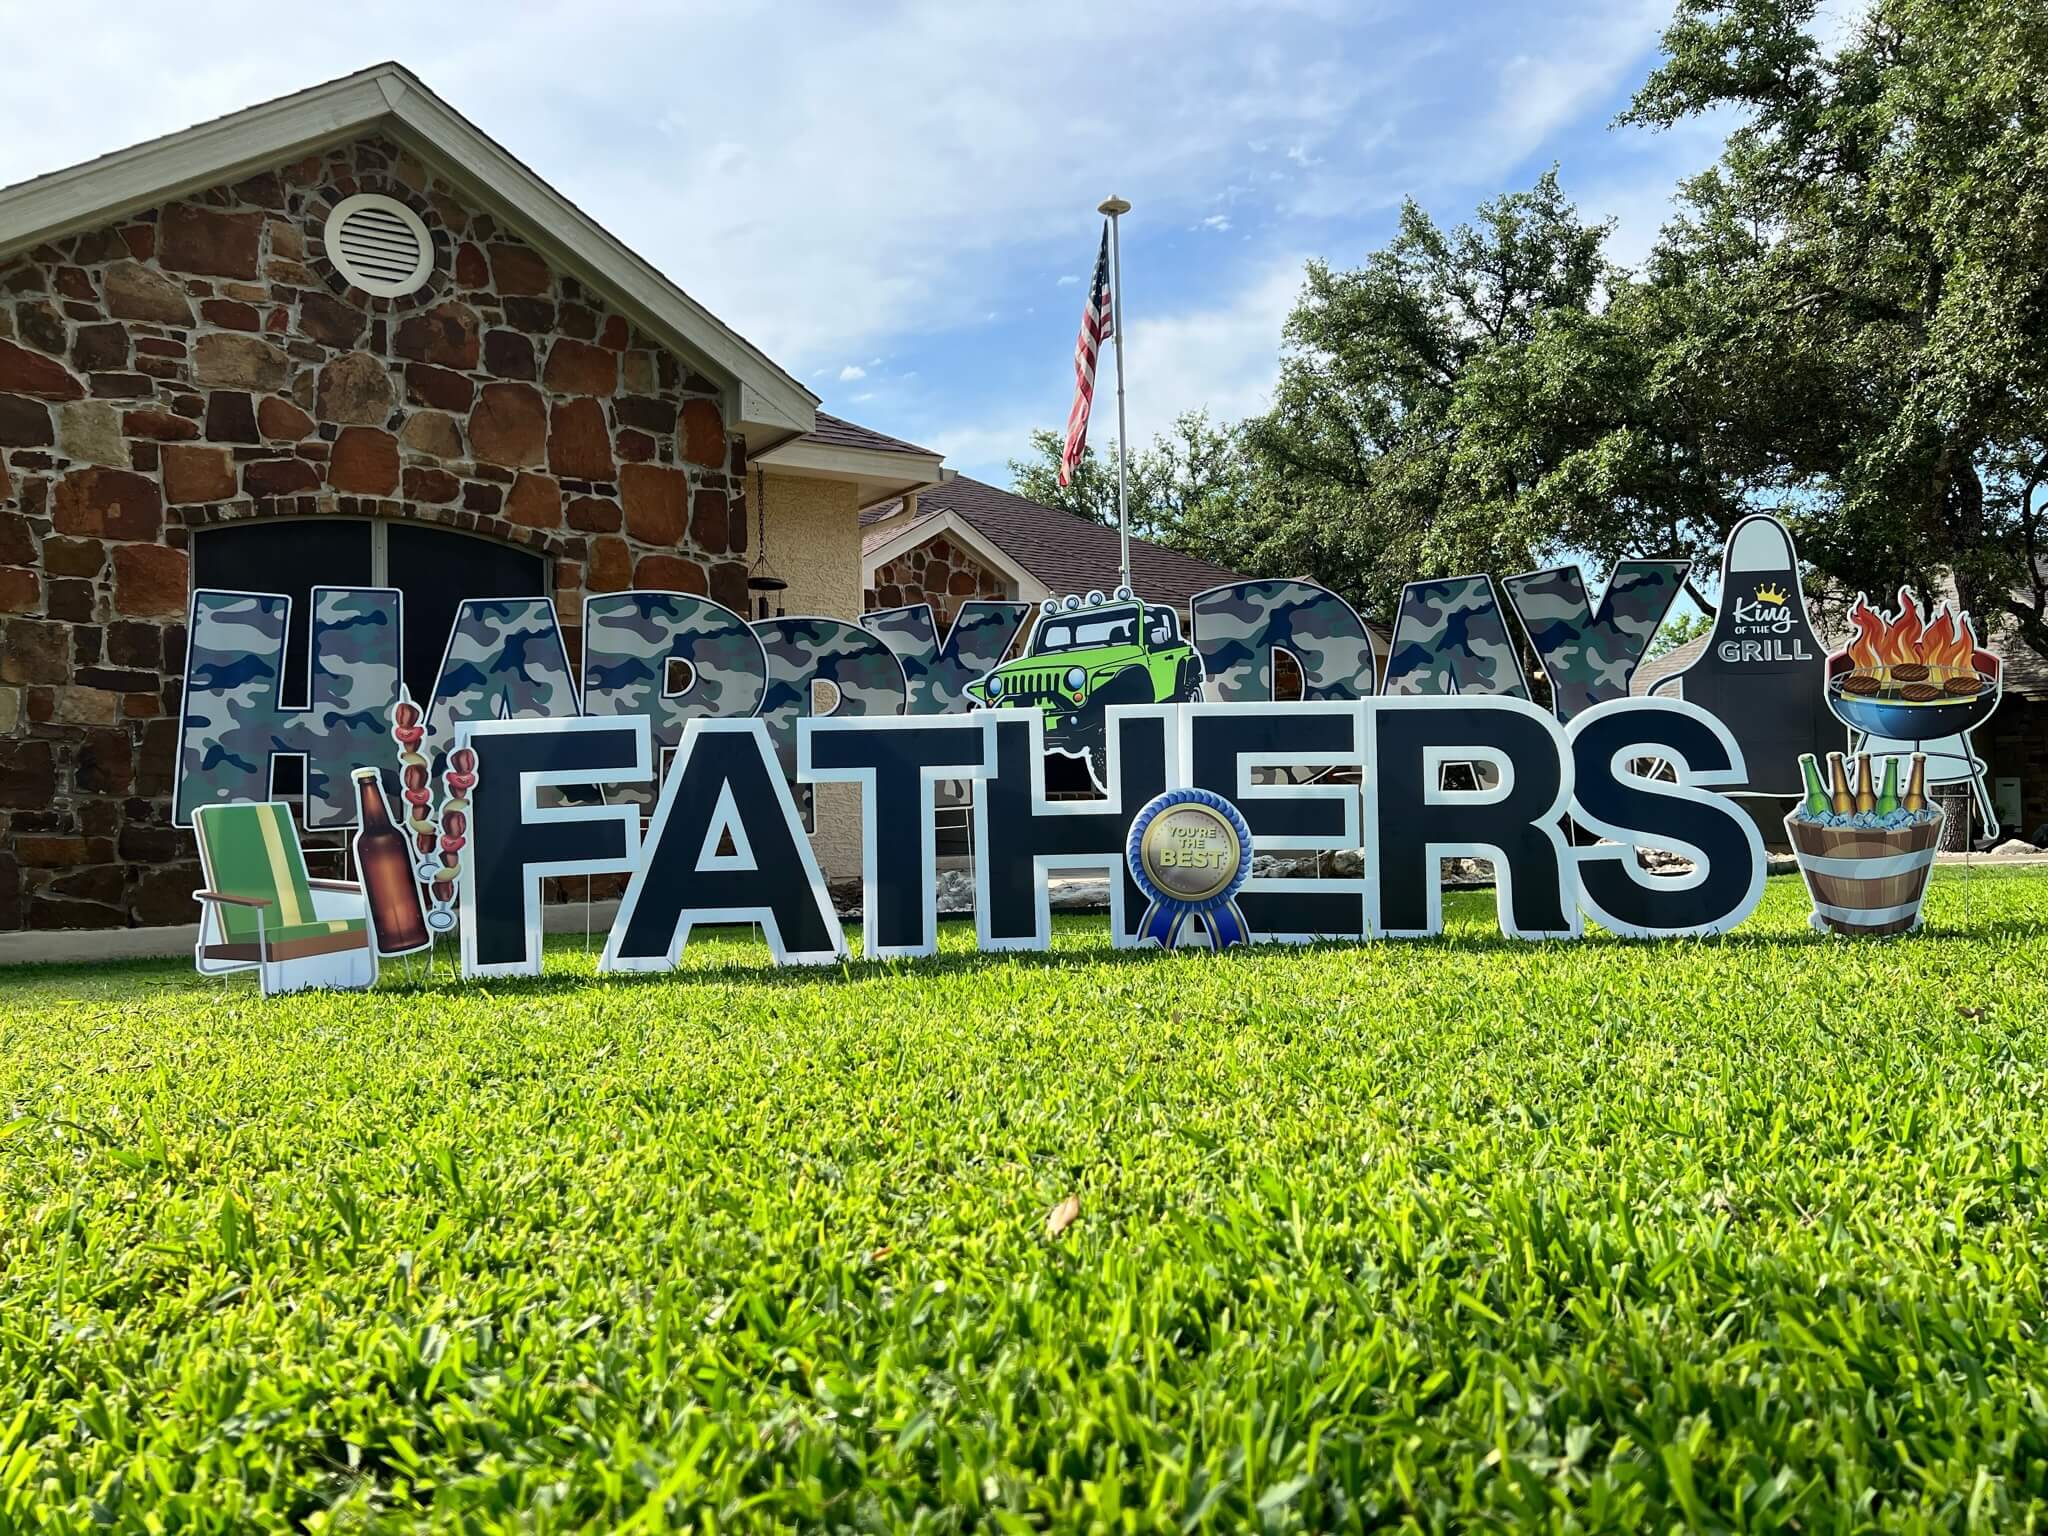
379, 245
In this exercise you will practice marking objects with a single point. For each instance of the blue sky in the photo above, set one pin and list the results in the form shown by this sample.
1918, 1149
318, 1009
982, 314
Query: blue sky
897, 201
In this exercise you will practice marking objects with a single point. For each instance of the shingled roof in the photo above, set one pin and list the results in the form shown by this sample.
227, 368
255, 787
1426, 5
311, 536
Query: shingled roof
1064, 552
837, 432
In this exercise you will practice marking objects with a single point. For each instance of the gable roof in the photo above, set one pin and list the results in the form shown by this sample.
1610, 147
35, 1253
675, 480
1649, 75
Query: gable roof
1062, 552
766, 403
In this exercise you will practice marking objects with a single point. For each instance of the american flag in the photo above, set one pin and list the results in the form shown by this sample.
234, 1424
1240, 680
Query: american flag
1096, 324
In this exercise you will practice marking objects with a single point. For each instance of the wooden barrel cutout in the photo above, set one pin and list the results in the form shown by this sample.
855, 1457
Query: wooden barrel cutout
1864, 881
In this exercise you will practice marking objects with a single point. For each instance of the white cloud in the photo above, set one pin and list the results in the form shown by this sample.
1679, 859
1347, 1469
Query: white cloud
1220, 358
1835, 22
984, 450
1539, 91
800, 206
851, 372
1476, 97
774, 194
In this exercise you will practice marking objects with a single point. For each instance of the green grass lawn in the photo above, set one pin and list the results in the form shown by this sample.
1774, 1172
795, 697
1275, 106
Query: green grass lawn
1745, 1234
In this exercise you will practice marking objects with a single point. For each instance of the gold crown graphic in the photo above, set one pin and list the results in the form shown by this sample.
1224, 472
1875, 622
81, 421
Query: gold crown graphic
1768, 594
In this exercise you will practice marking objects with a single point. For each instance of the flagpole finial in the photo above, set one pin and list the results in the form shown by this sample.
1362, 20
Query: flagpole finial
1113, 206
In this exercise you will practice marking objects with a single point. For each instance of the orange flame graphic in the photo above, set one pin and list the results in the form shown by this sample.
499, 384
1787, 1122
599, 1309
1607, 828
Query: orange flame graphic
1902, 636
1866, 651
1909, 637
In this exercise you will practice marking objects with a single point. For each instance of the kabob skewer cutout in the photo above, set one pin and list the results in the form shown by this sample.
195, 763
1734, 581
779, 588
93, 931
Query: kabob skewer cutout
438, 836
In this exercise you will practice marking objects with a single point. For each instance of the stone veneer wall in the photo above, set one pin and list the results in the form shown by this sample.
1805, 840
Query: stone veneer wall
938, 571
203, 362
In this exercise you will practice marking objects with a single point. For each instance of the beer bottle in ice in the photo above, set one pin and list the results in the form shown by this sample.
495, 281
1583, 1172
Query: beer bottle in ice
1816, 792
1841, 802
1866, 785
1888, 797
1915, 798
386, 865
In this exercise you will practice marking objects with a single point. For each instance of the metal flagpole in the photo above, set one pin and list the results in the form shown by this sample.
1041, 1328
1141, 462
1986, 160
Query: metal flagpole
1116, 208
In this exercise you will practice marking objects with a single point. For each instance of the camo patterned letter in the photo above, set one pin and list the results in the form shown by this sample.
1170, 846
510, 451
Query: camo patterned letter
802, 652
629, 638
505, 661
233, 721
1451, 637
1590, 657
1238, 627
938, 675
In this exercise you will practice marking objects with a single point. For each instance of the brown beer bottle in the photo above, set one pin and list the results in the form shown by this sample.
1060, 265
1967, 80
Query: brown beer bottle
1915, 797
1866, 784
1840, 801
386, 865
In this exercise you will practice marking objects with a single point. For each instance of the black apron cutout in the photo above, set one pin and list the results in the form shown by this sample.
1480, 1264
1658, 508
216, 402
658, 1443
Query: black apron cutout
1763, 672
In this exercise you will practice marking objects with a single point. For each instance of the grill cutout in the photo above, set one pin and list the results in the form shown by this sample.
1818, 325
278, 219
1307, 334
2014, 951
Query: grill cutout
379, 245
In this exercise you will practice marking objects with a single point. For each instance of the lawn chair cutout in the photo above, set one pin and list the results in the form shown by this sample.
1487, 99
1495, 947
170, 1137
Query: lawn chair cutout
260, 912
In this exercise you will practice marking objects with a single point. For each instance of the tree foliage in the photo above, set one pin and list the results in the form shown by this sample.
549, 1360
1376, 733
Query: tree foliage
1846, 322
1876, 237
1366, 475
1678, 631
1175, 489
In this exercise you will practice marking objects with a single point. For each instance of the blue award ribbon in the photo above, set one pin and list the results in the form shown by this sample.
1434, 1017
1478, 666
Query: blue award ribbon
1167, 918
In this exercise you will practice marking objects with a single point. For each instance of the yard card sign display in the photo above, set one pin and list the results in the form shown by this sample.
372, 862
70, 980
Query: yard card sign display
1917, 682
1088, 656
1763, 669
726, 844
1909, 686
1191, 852
519, 767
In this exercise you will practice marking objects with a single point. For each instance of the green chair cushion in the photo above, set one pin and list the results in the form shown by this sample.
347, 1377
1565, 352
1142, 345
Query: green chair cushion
252, 849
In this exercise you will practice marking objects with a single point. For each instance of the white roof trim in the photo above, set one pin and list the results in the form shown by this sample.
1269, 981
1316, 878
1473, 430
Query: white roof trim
390, 99
880, 473
1029, 588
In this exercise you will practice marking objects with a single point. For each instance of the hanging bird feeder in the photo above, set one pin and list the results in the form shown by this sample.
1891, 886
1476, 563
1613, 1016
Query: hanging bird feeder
761, 576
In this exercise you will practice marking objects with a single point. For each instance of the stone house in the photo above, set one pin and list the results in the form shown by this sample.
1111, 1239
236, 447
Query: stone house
345, 338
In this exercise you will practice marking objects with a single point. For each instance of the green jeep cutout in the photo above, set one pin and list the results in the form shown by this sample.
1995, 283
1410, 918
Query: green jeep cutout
1082, 660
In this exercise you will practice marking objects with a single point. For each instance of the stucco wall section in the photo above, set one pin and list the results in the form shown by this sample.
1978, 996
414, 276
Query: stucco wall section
814, 545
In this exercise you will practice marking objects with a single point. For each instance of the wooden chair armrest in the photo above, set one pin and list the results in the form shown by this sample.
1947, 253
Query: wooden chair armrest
240, 901
353, 887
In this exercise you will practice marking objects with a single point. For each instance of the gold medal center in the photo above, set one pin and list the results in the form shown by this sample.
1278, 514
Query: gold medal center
1190, 852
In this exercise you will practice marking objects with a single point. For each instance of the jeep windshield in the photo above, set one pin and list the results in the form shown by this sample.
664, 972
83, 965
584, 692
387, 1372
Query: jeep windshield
1087, 630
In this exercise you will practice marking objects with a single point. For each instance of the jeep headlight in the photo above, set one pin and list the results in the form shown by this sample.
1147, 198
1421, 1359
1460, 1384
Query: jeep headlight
995, 687
1076, 679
